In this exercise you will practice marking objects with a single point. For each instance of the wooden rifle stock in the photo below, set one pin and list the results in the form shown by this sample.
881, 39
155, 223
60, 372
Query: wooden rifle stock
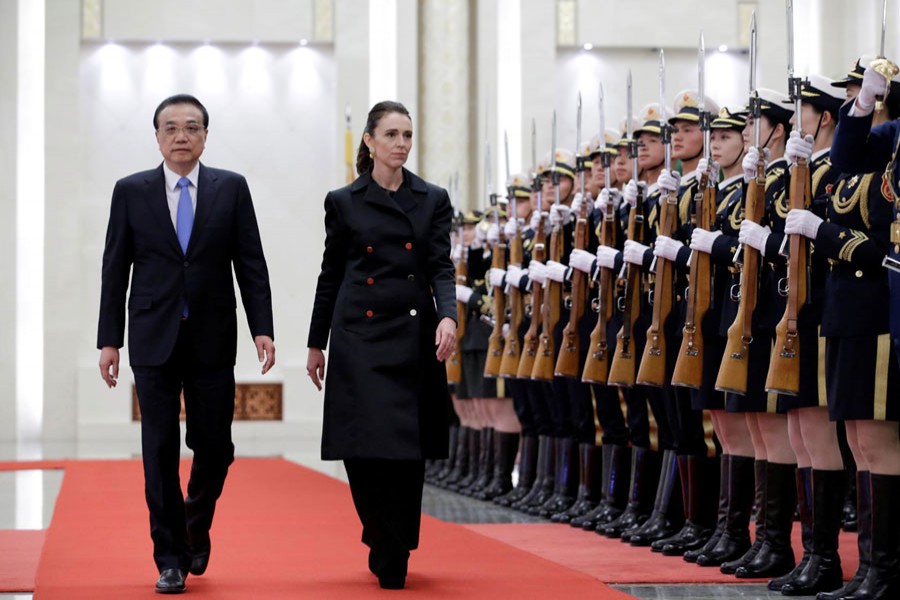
550, 313
623, 367
495, 341
596, 366
454, 363
532, 335
652, 370
689, 364
509, 364
784, 366
733, 370
567, 363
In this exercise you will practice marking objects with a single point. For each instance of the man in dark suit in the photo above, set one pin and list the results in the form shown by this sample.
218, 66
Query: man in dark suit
179, 229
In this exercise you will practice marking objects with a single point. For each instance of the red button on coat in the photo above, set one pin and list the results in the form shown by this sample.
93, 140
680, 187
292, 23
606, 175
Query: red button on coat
370, 281
369, 313
370, 249
409, 245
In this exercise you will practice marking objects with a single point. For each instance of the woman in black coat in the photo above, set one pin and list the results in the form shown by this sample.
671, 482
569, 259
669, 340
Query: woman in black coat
386, 294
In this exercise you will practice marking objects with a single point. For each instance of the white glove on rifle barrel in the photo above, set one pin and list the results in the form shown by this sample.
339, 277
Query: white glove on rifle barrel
798, 147
509, 229
493, 234
667, 248
631, 193
606, 198
606, 256
803, 222
711, 167
702, 239
463, 293
559, 214
495, 277
537, 271
514, 275
578, 202
748, 165
556, 271
582, 260
633, 252
754, 235
669, 181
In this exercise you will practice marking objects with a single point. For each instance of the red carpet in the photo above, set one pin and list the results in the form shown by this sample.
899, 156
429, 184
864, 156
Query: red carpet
611, 561
281, 531
19, 554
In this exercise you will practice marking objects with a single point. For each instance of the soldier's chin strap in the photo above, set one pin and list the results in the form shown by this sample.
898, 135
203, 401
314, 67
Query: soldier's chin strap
769, 138
734, 162
818, 125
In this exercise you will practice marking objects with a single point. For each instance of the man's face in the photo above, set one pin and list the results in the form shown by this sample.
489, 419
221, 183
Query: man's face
181, 136
651, 151
687, 140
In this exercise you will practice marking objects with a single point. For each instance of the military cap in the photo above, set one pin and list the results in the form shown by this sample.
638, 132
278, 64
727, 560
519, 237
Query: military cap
775, 105
687, 107
612, 138
729, 119
520, 184
650, 120
635, 124
472, 217
565, 163
818, 91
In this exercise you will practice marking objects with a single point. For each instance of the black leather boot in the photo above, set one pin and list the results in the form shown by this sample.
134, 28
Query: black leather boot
586, 498
757, 514
735, 540
446, 465
721, 512
823, 570
544, 479
527, 468
850, 518
775, 556
864, 539
696, 472
485, 463
645, 466
882, 581
461, 462
668, 509
566, 479
614, 493
804, 507
505, 447
473, 472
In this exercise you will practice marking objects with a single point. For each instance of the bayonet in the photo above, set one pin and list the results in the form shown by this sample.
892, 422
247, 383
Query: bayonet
629, 129
793, 82
554, 174
510, 193
883, 27
579, 160
755, 108
663, 122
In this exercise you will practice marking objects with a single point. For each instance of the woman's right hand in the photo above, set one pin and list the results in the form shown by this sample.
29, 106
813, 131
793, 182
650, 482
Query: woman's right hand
315, 367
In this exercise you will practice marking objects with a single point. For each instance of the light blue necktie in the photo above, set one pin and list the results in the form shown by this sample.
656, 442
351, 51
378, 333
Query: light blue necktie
184, 221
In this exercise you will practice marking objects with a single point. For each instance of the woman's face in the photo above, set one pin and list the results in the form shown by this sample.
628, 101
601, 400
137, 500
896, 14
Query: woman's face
687, 140
622, 165
810, 116
392, 140
726, 146
566, 184
651, 151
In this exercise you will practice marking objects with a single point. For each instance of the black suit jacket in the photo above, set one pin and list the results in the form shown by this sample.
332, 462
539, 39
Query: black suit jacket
140, 238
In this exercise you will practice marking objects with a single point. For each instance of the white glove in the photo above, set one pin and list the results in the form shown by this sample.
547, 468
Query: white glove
633, 252
578, 202
456, 253
667, 248
606, 256
702, 239
631, 193
710, 166
754, 235
493, 234
873, 84
749, 163
505, 329
582, 260
537, 271
669, 181
509, 229
556, 271
535, 221
514, 275
559, 214
478, 240
463, 293
603, 202
798, 147
803, 222
495, 277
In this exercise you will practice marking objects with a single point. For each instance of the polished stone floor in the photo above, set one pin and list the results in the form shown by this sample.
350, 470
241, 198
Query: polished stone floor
27, 499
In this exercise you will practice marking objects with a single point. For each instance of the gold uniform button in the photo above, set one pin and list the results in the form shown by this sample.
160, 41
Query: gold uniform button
370, 314
412, 312
858, 274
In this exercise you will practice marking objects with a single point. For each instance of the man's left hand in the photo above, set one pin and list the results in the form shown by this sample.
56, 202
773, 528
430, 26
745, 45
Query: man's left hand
265, 350
445, 338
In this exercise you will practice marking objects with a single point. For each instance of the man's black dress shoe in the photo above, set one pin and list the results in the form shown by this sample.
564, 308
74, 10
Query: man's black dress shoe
392, 582
199, 560
170, 581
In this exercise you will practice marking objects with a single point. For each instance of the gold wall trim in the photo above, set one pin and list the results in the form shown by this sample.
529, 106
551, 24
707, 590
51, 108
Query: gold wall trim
252, 402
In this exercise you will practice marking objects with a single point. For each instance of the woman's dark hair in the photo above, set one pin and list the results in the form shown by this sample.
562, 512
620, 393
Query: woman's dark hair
180, 99
364, 162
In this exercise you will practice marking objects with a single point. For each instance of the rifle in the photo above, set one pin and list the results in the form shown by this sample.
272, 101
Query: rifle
510, 362
733, 370
596, 366
784, 366
653, 363
567, 362
532, 336
498, 261
689, 364
550, 309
